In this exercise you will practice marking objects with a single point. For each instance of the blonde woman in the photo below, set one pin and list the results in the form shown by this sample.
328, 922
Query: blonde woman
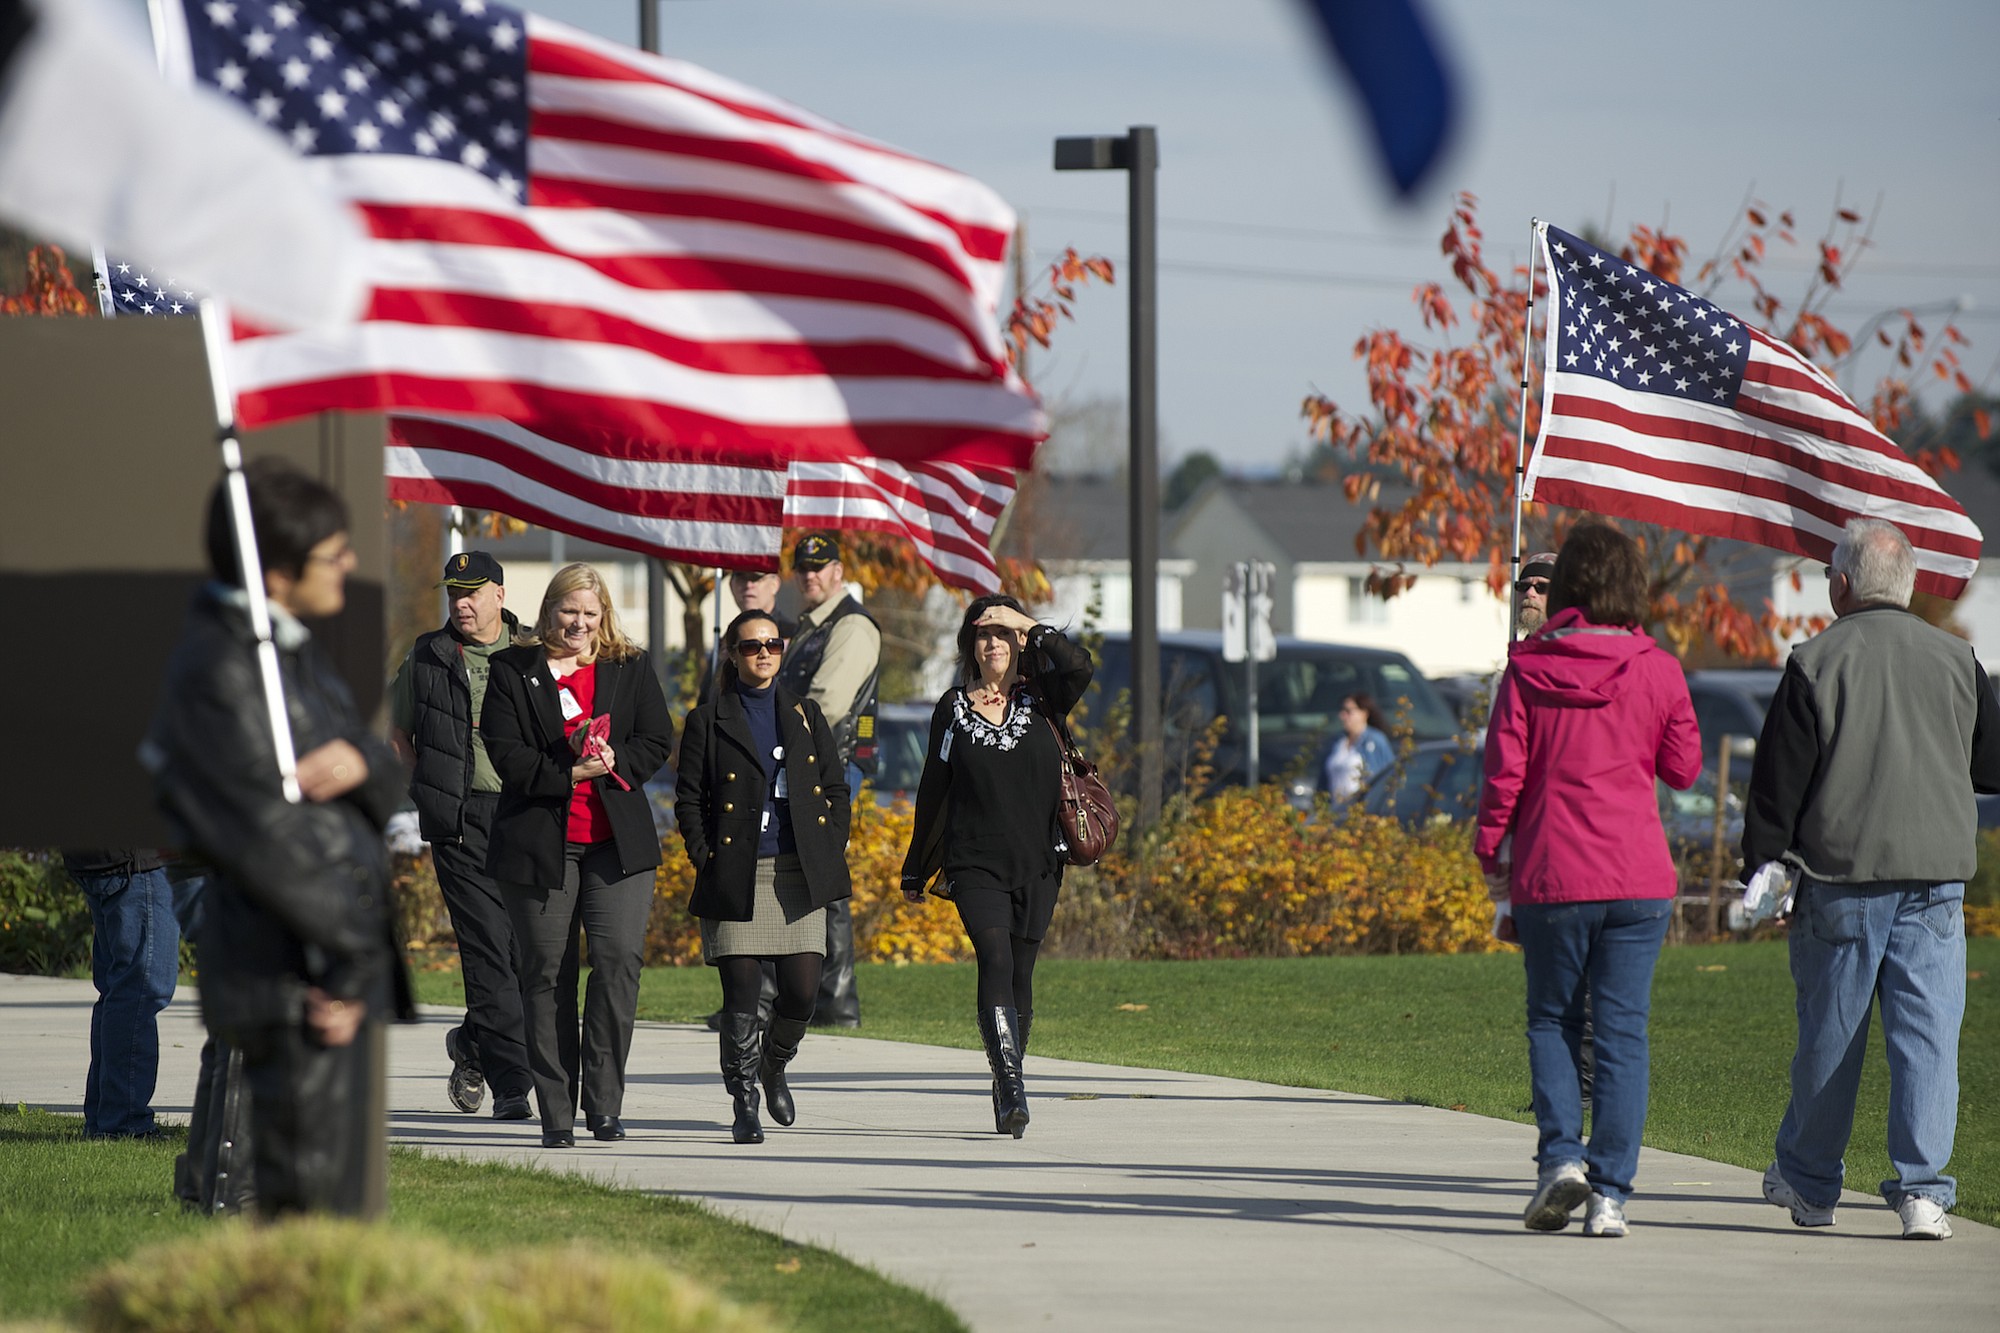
573, 839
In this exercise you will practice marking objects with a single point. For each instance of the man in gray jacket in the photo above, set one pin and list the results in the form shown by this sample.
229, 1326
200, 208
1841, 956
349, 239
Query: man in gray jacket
1878, 735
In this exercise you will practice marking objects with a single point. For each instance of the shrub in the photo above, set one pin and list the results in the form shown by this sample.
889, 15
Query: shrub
45, 925
322, 1275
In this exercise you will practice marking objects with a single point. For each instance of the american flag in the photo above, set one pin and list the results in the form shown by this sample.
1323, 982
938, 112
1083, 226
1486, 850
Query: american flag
1660, 406
709, 508
137, 289
624, 256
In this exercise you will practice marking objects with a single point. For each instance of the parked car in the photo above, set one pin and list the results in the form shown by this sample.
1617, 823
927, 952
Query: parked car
1731, 703
1298, 698
1441, 781
901, 731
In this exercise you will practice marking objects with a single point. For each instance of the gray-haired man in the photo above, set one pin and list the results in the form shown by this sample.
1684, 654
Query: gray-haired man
1877, 737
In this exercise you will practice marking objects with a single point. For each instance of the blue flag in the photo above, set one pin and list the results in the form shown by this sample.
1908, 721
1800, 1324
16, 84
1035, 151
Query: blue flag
1386, 48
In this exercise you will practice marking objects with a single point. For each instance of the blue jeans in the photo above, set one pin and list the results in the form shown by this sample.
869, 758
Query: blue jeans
1901, 943
1605, 950
134, 961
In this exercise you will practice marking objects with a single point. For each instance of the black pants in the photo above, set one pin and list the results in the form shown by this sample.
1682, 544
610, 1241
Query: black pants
319, 1125
494, 1024
612, 909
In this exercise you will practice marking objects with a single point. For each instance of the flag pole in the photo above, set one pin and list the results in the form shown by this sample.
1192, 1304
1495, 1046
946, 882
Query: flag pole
1521, 440
170, 51
215, 338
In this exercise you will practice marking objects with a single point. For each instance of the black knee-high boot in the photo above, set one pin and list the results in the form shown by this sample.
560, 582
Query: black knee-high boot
1027, 1024
1000, 1029
781, 1043
742, 1048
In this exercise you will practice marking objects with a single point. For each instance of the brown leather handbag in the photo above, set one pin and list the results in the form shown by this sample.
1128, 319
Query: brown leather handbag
1086, 812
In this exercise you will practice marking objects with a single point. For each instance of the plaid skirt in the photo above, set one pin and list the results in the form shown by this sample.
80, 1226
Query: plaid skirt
782, 917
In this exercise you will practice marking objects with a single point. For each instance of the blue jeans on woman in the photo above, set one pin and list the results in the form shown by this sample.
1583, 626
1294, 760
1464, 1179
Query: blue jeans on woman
1900, 943
1605, 950
134, 961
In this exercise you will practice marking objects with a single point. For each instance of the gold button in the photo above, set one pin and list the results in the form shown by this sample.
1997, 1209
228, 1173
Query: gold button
728, 806
729, 777
815, 791
725, 840
812, 759
822, 819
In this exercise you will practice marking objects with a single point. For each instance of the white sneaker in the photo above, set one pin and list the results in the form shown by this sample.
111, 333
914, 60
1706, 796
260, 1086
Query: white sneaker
1923, 1219
1779, 1191
1603, 1216
1562, 1188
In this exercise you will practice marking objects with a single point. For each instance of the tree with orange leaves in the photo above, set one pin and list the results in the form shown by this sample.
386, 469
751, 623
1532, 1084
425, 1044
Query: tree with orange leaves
1445, 417
50, 288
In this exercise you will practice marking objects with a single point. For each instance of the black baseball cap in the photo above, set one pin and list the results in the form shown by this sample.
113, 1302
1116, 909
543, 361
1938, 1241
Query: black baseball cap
471, 569
1540, 566
816, 550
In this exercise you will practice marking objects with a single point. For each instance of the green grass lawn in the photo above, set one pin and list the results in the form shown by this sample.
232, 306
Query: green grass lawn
1441, 1031
68, 1206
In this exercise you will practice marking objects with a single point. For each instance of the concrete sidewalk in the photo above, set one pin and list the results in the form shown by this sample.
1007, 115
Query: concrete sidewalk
1149, 1200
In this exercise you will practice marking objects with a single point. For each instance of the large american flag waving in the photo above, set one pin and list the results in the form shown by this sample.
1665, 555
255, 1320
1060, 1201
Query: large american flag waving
607, 267
1660, 406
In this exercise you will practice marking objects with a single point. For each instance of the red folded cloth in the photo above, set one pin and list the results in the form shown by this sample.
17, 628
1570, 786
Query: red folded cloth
595, 740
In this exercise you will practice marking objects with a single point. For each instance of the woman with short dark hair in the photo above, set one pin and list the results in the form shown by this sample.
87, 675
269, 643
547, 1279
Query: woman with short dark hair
986, 817
763, 807
575, 725
1588, 713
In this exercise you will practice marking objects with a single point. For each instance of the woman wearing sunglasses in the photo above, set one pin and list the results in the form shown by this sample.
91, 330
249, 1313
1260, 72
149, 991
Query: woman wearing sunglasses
763, 805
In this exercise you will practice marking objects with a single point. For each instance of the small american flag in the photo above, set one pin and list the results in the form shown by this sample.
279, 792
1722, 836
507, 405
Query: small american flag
624, 257
136, 289
1660, 406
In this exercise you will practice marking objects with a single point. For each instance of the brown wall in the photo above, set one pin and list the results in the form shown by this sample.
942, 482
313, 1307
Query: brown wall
107, 456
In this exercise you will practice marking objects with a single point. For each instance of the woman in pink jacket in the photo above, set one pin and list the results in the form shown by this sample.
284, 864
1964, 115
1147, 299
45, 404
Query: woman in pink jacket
1588, 713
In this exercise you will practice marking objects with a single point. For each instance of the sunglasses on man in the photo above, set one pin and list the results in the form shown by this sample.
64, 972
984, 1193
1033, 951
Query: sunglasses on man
1540, 587
758, 647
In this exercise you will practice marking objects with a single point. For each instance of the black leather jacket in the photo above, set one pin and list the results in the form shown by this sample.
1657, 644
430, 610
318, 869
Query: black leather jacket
301, 892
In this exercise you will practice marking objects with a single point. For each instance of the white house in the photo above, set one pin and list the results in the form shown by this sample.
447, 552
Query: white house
1447, 622
1077, 527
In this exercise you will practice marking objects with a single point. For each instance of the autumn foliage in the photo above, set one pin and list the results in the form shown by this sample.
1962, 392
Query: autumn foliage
1444, 415
50, 288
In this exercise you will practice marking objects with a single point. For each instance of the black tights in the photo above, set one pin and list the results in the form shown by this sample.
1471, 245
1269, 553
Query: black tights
798, 984
1006, 969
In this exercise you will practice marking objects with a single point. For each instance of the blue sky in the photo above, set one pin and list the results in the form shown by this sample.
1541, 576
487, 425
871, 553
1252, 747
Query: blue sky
1279, 244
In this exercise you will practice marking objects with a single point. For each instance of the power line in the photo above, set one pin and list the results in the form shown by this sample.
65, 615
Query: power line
1381, 282
1222, 228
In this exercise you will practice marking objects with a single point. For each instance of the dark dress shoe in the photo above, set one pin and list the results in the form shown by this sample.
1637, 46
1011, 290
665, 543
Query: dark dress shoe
605, 1127
512, 1106
558, 1138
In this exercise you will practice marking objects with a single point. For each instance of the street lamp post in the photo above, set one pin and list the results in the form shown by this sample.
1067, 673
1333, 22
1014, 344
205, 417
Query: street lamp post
1137, 154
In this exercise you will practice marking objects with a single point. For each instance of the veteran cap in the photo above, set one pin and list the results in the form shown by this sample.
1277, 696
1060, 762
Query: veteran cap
816, 550
471, 569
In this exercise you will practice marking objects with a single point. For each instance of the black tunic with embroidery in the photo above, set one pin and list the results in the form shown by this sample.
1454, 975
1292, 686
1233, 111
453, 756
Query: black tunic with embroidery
986, 804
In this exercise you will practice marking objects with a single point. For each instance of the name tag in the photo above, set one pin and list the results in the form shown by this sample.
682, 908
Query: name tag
571, 709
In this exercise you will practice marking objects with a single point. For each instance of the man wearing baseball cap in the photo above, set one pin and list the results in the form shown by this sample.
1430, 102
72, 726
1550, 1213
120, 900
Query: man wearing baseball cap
434, 705
836, 660
1532, 609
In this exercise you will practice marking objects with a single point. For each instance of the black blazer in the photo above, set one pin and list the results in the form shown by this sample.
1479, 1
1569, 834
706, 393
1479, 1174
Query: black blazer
522, 726
720, 798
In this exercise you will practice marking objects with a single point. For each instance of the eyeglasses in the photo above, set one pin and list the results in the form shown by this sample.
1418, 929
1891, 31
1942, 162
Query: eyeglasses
1539, 587
755, 647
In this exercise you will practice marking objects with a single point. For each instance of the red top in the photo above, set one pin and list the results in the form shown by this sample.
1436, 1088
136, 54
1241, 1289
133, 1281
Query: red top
587, 820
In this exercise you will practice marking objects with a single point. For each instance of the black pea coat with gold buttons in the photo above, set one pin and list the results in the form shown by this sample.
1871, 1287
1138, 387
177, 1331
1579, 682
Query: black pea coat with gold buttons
719, 803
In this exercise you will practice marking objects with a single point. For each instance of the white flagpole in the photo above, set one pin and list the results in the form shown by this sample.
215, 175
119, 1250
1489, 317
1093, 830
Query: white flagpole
1521, 442
101, 279
215, 337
